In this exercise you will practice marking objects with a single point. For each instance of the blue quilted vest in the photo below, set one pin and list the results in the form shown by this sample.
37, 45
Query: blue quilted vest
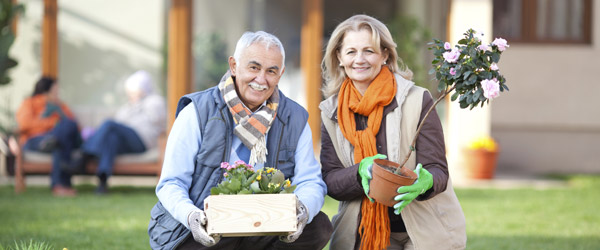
216, 126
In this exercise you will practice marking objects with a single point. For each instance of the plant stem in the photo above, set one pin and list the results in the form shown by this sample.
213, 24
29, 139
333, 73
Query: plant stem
414, 141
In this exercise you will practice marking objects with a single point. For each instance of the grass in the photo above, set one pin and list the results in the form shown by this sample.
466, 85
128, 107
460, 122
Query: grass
556, 218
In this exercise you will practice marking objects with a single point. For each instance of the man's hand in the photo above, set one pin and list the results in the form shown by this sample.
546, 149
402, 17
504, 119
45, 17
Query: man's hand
365, 170
408, 193
197, 222
302, 218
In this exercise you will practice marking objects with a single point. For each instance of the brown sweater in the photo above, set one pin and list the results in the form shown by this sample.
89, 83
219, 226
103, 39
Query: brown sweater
344, 183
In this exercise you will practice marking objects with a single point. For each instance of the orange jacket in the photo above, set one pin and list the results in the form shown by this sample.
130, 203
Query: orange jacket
30, 120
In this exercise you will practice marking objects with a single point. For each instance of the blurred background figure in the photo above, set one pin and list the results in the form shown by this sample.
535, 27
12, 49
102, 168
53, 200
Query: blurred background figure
134, 129
46, 124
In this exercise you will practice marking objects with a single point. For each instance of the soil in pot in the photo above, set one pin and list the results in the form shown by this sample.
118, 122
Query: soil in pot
385, 182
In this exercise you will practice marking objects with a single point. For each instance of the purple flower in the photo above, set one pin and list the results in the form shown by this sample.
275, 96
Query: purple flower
447, 46
483, 47
451, 56
225, 165
491, 88
452, 71
501, 43
494, 66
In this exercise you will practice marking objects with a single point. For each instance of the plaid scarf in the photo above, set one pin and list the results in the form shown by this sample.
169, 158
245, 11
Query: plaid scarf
250, 127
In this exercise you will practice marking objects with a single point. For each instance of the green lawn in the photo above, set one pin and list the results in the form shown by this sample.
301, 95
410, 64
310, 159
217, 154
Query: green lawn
557, 218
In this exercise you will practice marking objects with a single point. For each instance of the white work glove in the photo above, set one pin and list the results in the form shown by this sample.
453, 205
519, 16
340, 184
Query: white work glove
302, 218
197, 222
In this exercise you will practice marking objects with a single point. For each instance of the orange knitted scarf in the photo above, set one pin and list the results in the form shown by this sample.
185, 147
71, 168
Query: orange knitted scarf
374, 226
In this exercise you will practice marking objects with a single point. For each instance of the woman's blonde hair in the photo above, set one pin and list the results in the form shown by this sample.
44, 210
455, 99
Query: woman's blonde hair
335, 75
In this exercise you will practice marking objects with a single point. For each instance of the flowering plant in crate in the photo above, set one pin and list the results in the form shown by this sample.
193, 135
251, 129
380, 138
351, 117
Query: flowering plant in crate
241, 178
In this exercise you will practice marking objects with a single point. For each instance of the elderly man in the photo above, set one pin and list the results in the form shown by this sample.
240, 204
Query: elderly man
246, 118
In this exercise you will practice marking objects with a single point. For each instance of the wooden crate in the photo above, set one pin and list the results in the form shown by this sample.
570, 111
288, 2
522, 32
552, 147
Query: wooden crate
251, 215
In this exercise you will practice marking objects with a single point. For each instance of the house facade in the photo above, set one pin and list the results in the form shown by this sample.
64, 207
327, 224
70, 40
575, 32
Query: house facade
546, 122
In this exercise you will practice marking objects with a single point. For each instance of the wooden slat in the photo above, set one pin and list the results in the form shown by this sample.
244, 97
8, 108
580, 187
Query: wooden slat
250, 215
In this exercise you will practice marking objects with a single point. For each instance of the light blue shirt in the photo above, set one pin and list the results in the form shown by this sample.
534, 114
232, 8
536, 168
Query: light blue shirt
182, 146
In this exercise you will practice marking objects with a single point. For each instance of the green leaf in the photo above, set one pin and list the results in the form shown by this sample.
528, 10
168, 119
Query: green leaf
278, 178
472, 80
245, 191
254, 187
463, 105
264, 182
495, 57
454, 96
441, 86
467, 74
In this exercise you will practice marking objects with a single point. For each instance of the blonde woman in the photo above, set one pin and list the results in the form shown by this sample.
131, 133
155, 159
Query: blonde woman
372, 111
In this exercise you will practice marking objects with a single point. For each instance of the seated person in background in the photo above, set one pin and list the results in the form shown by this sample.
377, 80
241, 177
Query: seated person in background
46, 124
134, 129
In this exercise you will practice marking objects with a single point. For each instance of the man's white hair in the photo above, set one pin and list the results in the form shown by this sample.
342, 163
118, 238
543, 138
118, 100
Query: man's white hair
249, 38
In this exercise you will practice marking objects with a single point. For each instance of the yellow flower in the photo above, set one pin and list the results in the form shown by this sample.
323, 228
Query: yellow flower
484, 142
287, 183
258, 177
270, 170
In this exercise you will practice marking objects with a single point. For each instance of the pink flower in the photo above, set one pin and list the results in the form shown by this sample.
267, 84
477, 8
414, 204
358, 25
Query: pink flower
225, 165
494, 66
491, 88
239, 162
478, 34
451, 56
447, 45
501, 43
225, 174
483, 47
452, 71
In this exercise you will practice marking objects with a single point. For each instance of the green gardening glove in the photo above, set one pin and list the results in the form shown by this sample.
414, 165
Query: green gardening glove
408, 193
365, 170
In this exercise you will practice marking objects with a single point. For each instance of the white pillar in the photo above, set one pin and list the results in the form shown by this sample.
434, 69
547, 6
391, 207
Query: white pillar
465, 124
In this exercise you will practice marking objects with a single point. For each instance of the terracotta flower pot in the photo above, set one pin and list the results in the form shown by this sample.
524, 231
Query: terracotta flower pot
480, 164
385, 182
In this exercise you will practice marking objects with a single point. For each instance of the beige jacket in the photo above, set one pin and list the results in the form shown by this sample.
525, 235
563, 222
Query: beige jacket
436, 223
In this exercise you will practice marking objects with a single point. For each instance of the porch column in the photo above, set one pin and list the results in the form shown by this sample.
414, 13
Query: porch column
179, 73
50, 40
310, 62
464, 124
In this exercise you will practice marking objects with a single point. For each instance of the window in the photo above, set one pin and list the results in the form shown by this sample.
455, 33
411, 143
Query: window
543, 21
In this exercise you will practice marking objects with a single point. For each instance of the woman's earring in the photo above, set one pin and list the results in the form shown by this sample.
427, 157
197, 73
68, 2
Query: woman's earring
384, 63
341, 65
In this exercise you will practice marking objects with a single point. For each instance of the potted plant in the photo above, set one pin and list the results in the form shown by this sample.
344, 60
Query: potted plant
470, 70
251, 202
480, 158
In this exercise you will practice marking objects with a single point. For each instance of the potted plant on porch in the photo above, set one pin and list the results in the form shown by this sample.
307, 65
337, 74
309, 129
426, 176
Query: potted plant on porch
251, 202
470, 70
480, 158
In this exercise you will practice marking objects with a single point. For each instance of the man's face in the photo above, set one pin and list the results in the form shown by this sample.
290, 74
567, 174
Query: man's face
257, 73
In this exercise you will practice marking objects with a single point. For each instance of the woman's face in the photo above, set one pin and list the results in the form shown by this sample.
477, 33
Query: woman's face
360, 59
